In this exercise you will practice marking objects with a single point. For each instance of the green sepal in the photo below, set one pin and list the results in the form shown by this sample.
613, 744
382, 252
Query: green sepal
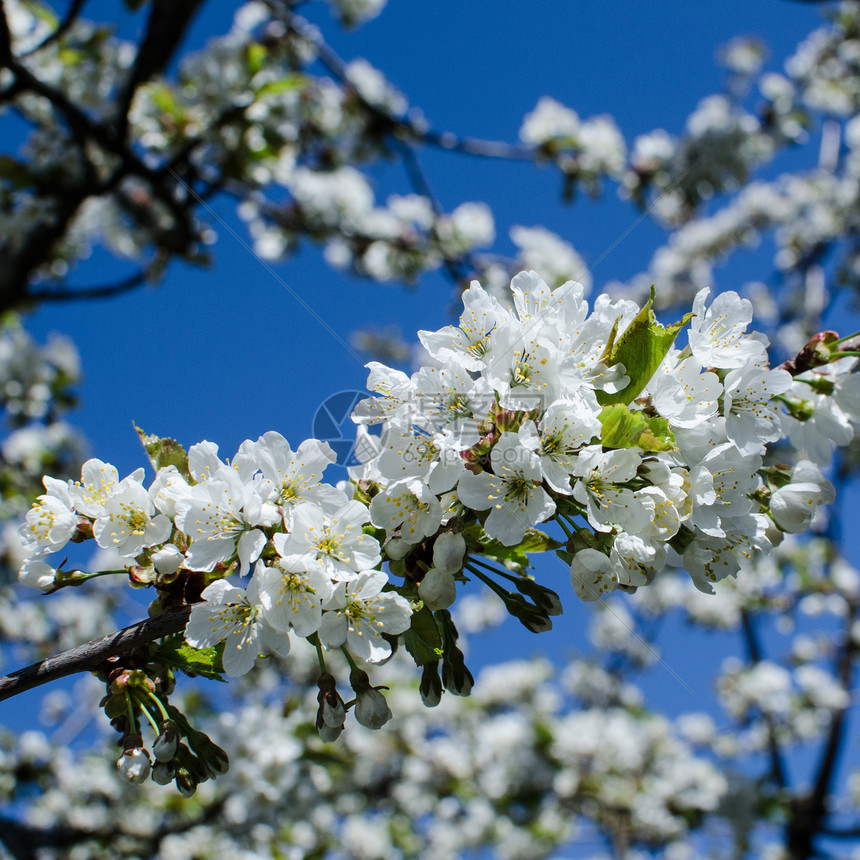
641, 349
114, 706
178, 654
545, 599
622, 428
422, 639
164, 452
532, 617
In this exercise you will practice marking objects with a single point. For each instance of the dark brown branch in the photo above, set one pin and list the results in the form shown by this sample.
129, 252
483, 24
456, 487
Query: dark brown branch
808, 812
87, 657
167, 25
5, 39
102, 291
754, 656
402, 127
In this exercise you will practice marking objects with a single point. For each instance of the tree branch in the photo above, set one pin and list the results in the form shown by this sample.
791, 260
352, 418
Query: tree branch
754, 656
167, 24
101, 291
87, 657
406, 128
808, 812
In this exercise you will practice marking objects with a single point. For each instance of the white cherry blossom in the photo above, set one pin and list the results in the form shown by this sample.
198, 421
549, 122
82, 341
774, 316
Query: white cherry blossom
235, 616
358, 612
512, 492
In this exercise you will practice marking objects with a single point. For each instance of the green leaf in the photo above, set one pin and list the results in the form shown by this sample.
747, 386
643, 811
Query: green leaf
641, 349
422, 639
534, 541
283, 85
257, 54
622, 428
178, 654
537, 541
163, 97
164, 452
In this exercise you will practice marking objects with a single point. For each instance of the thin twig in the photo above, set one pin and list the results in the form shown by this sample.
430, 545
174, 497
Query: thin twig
403, 125
101, 291
754, 657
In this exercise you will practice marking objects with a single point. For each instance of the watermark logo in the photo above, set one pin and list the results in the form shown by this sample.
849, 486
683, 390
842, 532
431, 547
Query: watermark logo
332, 424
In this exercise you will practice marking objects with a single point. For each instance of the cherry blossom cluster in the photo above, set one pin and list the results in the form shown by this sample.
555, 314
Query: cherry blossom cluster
540, 412
642, 454
526, 415
314, 565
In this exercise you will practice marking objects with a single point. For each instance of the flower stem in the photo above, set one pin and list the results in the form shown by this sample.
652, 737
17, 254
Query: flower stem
560, 519
133, 725
494, 570
315, 641
349, 659
493, 586
145, 711
847, 337
160, 706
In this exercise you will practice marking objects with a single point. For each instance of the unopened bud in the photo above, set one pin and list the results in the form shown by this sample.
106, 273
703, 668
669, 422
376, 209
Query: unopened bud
431, 685
448, 552
134, 764
437, 589
185, 782
332, 711
166, 744
168, 559
163, 772
371, 709
397, 548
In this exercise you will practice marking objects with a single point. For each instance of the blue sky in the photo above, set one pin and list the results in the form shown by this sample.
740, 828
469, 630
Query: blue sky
229, 353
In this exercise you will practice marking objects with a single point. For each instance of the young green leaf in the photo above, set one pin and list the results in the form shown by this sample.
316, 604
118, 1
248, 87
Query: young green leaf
164, 452
178, 654
622, 428
641, 349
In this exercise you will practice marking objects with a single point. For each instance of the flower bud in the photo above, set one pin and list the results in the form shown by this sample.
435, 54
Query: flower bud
185, 782
37, 574
448, 552
332, 711
371, 709
431, 685
793, 505
328, 734
168, 559
134, 764
163, 772
210, 761
397, 548
166, 744
455, 675
438, 589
